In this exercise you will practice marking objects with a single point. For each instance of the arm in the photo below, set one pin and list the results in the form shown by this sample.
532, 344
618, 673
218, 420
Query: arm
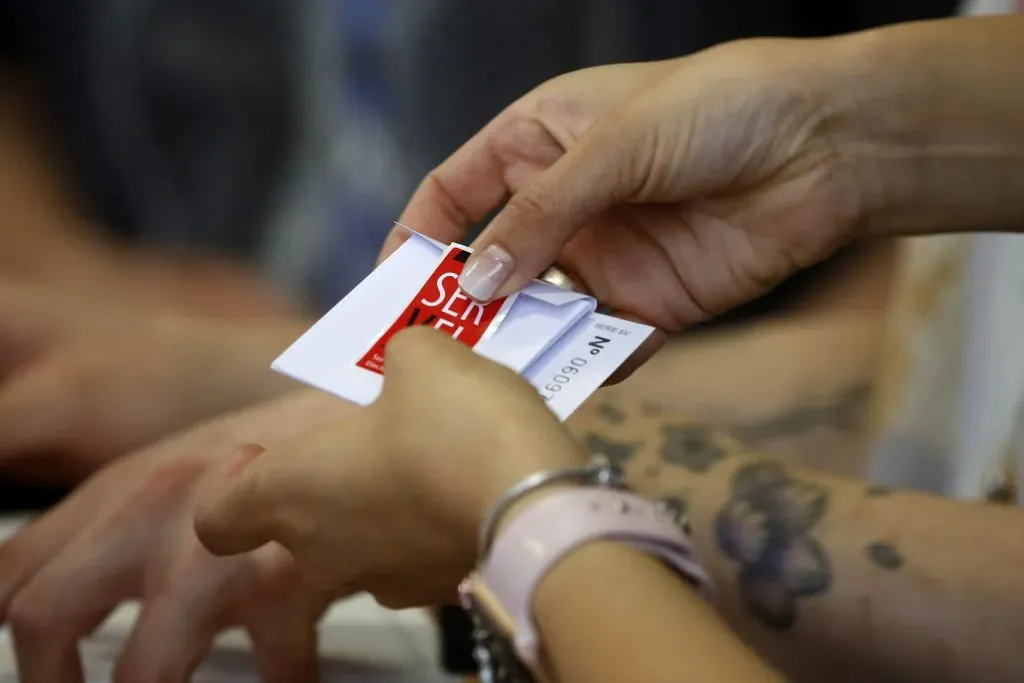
928, 118
726, 385
828, 577
650, 628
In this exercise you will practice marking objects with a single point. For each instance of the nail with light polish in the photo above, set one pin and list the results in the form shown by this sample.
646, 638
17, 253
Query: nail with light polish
486, 272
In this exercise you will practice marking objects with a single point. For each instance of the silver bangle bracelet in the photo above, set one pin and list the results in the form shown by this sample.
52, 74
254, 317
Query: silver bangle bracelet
598, 472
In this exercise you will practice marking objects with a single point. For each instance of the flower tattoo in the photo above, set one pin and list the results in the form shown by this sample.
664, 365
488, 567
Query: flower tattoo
765, 527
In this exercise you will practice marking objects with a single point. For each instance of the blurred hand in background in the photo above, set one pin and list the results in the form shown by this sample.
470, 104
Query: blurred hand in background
83, 382
127, 534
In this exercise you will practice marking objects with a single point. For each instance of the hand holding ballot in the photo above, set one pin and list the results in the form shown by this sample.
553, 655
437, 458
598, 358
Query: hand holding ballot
673, 191
390, 499
670, 191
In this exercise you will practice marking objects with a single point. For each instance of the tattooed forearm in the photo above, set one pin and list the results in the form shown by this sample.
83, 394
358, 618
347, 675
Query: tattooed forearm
766, 527
815, 571
827, 432
845, 412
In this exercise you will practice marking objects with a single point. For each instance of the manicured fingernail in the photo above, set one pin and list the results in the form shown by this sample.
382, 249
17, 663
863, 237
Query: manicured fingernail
486, 272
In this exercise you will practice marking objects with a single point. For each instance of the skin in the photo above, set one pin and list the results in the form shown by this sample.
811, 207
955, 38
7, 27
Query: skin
827, 578
135, 512
648, 182
271, 497
830, 578
676, 190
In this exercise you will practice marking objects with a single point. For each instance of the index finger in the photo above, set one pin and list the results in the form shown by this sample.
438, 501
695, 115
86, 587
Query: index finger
456, 195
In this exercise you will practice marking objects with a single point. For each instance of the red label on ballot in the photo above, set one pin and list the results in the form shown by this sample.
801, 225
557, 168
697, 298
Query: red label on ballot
442, 305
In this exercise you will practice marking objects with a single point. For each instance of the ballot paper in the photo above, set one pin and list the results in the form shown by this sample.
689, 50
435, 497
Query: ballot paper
552, 336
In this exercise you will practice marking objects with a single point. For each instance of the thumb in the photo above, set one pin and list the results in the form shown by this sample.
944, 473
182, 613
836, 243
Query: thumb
237, 503
279, 494
525, 238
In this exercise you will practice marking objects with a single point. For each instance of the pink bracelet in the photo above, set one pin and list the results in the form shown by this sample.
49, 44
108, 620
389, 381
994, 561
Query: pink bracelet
539, 536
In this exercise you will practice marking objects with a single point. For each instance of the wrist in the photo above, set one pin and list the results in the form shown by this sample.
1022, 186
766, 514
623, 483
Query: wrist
571, 527
552, 451
922, 118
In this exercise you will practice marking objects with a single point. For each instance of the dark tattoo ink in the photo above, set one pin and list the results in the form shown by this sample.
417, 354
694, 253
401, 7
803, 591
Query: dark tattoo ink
611, 414
876, 491
617, 452
766, 527
690, 447
845, 413
1004, 494
675, 506
885, 555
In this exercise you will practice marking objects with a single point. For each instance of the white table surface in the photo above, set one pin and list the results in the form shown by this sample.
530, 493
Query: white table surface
361, 643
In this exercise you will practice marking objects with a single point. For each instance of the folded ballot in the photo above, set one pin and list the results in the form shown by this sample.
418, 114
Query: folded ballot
551, 336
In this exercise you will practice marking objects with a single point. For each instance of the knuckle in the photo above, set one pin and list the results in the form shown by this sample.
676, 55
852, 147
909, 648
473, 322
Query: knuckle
434, 185
158, 495
528, 207
34, 613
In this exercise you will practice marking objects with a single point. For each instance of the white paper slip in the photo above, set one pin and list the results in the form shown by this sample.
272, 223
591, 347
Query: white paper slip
531, 331
539, 317
581, 361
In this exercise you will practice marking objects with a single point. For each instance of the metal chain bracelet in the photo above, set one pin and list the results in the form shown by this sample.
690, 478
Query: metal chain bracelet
598, 472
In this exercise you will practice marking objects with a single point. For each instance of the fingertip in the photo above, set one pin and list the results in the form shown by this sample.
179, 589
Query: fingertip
487, 272
413, 351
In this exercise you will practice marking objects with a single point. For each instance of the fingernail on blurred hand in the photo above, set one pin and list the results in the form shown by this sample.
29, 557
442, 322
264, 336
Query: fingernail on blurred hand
486, 272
